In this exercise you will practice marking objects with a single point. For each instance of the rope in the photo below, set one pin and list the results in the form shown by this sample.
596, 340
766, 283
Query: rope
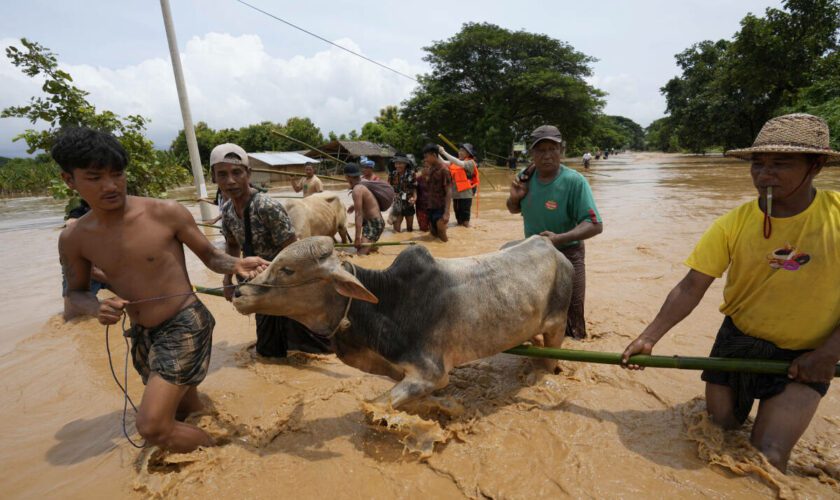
123, 387
368, 59
344, 324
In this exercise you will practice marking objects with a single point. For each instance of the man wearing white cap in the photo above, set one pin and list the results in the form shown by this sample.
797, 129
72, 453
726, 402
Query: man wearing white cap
780, 299
255, 224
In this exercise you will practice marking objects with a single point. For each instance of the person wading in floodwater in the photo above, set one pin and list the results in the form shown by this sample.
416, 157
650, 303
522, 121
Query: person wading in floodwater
557, 203
438, 191
139, 244
310, 184
780, 298
464, 172
369, 221
255, 224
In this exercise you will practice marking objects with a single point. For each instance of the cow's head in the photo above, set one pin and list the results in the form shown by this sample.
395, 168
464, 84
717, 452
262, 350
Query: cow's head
302, 281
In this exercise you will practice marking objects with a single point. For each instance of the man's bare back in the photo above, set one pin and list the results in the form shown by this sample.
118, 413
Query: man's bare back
369, 206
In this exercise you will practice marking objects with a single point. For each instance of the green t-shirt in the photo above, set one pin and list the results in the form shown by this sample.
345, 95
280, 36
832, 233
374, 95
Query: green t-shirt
560, 205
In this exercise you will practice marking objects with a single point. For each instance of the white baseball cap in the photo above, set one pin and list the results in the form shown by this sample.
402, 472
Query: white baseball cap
222, 150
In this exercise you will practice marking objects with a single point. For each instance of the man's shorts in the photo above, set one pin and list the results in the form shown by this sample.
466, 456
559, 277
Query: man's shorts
372, 229
402, 208
178, 349
434, 216
462, 209
733, 343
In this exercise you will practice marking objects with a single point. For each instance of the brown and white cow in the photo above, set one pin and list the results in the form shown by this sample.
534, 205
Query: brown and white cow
321, 214
417, 319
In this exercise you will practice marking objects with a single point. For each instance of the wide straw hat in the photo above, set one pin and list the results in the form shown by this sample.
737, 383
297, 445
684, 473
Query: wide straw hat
796, 133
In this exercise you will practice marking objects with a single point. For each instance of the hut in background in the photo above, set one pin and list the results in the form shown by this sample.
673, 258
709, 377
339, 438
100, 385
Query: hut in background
287, 161
351, 151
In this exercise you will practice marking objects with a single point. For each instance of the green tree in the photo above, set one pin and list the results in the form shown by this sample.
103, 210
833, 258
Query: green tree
822, 98
304, 130
491, 86
728, 89
660, 135
67, 105
206, 138
391, 129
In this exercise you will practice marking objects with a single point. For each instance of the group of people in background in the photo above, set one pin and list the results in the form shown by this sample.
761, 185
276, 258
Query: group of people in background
443, 183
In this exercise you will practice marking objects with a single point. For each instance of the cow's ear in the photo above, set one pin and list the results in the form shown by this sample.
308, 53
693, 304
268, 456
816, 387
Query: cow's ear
346, 284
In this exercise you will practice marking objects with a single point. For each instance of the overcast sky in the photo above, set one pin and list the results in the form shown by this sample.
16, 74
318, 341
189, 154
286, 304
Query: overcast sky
243, 67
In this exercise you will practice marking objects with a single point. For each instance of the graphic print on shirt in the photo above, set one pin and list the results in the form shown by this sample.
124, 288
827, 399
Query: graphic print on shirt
788, 258
551, 205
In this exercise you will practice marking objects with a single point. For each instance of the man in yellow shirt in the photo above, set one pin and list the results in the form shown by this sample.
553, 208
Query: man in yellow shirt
781, 299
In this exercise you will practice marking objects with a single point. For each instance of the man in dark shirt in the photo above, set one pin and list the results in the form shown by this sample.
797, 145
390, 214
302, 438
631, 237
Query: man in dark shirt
438, 191
255, 224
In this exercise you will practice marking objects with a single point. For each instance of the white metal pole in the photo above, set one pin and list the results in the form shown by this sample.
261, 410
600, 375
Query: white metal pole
183, 99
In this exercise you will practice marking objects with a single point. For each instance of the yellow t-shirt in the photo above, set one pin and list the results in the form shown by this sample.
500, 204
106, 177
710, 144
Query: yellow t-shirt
785, 289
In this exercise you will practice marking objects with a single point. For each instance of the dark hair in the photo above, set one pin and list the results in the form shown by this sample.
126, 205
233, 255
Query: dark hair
430, 148
83, 147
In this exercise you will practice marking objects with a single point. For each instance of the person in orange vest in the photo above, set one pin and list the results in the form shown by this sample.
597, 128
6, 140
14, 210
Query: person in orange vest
464, 170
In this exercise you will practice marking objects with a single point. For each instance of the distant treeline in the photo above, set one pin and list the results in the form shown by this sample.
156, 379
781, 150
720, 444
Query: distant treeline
27, 175
785, 62
488, 86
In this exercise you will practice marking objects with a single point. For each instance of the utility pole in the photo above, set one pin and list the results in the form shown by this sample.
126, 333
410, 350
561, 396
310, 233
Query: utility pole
189, 131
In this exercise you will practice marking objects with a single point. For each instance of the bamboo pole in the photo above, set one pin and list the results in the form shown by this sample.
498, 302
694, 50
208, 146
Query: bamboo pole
208, 291
294, 174
448, 142
378, 244
678, 362
281, 134
201, 224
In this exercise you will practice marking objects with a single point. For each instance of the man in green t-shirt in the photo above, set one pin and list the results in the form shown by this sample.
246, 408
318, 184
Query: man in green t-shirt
557, 203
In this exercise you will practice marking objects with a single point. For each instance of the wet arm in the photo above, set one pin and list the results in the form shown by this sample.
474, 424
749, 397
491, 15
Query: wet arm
231, 248
297, 185
187, 232
450, 158
79, 300
582, 231
679, 304
358, 198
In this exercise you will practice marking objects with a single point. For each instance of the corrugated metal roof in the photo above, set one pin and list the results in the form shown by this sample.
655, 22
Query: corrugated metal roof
353, 148
282, 158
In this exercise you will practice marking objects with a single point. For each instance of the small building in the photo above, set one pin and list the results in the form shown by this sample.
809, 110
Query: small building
286, 161
351, 151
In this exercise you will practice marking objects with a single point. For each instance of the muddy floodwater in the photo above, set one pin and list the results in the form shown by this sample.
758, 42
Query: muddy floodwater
300, 428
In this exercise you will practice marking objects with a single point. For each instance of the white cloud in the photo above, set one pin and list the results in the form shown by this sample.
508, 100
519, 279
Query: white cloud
631, 97
232, 81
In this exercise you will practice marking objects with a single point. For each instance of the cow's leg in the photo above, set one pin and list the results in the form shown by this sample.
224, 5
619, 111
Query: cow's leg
345, 236
553, 333
416, 384
369, 361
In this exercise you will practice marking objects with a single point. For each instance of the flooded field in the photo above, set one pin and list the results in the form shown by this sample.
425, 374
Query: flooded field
299, 428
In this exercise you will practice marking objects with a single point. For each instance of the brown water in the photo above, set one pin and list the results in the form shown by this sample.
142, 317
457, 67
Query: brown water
300, 428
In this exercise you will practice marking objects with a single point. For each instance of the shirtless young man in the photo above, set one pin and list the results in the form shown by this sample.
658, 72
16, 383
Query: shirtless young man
139, 244
369, 221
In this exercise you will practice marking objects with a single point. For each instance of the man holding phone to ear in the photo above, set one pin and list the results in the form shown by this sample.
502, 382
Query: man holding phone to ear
556, 202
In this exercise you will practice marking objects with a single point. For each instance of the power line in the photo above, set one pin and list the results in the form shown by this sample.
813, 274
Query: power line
329, 42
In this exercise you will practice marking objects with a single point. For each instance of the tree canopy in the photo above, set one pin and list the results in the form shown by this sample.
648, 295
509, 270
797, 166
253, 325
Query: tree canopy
491, 86
66, 105
255, 137
783, 62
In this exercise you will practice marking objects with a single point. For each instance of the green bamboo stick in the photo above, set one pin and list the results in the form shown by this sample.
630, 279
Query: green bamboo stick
208, 291
201, 224
679, 362
377, 244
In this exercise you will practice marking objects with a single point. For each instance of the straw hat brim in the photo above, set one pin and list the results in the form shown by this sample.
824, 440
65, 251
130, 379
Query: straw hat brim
833, 157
